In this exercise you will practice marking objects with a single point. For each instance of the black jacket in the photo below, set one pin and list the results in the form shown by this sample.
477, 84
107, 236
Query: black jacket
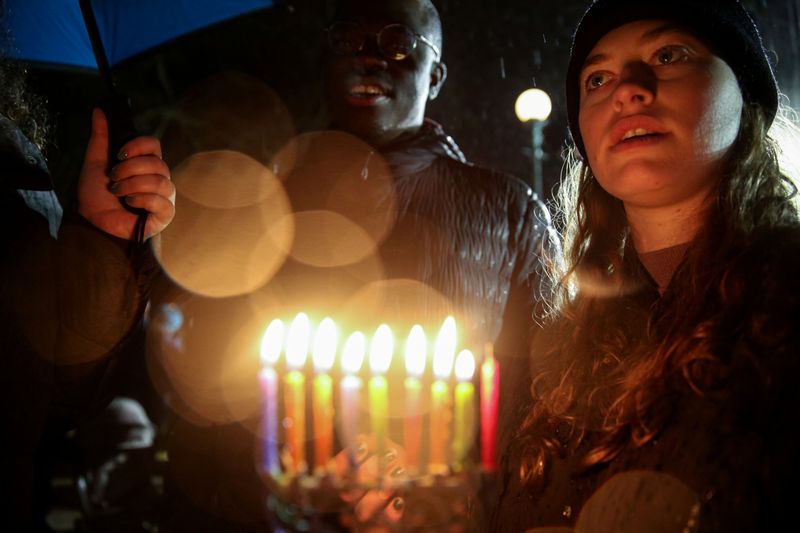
69, 296
725, 460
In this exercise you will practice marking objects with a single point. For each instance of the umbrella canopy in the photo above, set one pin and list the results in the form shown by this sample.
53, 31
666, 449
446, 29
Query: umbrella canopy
54, 31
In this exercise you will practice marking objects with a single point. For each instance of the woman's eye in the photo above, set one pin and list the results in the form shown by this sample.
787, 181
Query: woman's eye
595, 80
671, 54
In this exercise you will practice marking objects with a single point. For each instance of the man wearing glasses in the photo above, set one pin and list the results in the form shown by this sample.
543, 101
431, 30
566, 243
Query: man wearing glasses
473, 235
384, 64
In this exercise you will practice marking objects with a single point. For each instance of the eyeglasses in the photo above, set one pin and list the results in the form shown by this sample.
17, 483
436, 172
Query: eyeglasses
395, 41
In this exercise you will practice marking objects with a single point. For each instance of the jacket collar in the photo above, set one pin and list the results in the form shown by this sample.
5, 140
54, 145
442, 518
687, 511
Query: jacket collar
417, 152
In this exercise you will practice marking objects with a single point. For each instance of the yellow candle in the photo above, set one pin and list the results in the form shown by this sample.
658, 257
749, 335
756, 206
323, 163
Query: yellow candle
464, 424
350, 391
294, 394
323, 356
444, 353
415, 366
380, 359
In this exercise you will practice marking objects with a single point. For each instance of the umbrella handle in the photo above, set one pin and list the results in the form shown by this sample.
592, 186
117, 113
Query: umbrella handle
121, 130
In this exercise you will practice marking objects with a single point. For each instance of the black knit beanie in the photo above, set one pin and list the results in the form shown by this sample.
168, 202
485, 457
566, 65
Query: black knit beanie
723, 25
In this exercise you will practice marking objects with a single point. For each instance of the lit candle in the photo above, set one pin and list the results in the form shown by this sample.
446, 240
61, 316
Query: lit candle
294, 399
443, 355
271, 345
323, 355
350, 390
464, 422
415, 367
380, 358
490, 381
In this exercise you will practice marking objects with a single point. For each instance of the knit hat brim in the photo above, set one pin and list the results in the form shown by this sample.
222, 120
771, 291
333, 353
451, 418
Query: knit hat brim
723, 25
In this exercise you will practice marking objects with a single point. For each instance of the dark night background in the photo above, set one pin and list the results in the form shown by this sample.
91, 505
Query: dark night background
493, 50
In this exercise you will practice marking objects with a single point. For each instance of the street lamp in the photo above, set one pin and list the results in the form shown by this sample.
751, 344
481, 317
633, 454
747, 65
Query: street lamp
535, 105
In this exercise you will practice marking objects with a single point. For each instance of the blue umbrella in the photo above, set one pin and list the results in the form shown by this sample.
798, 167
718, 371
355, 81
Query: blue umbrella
55, 31
100, 34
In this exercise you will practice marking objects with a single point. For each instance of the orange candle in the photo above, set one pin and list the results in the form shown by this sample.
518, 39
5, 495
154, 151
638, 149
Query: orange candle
415, 366
294, 394
323, 356
490, 381
444, 353
464, 423
380, 359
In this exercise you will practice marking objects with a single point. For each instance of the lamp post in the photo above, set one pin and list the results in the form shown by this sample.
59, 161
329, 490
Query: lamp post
535, 105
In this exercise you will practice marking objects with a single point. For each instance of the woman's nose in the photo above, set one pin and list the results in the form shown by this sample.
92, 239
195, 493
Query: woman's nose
637, 87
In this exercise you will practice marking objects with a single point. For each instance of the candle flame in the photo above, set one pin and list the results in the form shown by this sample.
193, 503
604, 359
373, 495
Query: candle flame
325, 345
445, 349
297, 341
415, 351
465, 365
353, 353
272, 342
380, 350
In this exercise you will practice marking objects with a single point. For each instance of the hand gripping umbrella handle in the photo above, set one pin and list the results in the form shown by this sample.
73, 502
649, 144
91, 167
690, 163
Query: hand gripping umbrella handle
120, 131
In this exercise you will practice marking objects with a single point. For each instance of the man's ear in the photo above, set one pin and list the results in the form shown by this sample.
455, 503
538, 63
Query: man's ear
438, 75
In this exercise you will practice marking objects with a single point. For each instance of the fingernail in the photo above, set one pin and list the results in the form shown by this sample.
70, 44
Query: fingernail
398, 504
130, 197
391, 455
361, 449
399, 471
113, 187
122, 155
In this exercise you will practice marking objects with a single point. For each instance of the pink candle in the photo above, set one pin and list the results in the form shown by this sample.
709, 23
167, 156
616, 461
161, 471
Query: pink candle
490, 386
350, 391
271, 345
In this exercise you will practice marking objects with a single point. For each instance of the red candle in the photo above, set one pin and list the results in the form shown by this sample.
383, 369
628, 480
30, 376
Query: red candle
490, 386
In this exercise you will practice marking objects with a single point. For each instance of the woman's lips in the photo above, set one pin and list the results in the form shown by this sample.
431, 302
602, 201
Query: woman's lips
636, 131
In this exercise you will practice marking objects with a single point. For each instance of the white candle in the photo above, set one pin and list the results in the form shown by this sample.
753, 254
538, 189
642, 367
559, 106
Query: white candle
353, 355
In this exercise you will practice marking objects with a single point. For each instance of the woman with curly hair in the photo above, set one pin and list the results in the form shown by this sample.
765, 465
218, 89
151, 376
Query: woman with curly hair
72, 289
664, 393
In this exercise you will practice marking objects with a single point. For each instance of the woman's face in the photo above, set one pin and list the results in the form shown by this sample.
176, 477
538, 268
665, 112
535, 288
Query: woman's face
658, 115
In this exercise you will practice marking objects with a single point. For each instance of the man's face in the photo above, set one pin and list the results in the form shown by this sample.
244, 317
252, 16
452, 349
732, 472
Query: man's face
371, 96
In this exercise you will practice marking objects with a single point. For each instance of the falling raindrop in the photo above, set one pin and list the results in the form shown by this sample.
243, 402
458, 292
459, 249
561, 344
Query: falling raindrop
502, 68
365, 169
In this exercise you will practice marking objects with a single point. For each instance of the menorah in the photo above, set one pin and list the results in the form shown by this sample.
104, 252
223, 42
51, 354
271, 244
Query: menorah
302, 401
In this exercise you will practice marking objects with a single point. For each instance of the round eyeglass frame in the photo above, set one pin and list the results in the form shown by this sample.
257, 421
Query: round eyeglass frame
365, 34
